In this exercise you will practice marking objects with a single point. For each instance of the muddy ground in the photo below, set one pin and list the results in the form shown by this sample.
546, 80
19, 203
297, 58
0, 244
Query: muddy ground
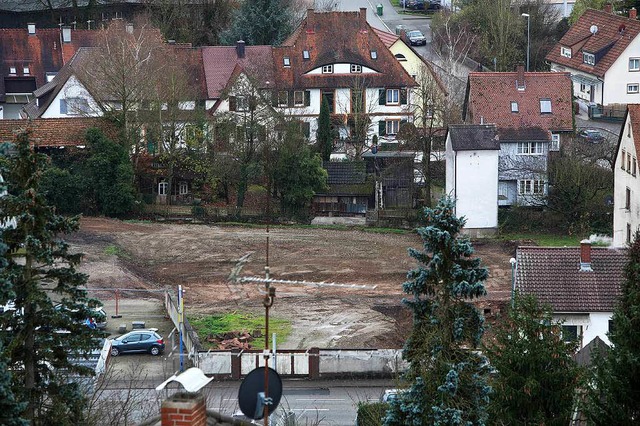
154, 256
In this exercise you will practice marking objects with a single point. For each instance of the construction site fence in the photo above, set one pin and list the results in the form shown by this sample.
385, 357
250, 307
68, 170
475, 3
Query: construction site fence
313, 363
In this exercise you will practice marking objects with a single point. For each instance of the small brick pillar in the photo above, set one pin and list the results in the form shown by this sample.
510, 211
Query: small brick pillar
314, 363
184, 409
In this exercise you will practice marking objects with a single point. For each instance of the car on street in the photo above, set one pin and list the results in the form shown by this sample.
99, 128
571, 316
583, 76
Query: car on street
412, 4
591, 135
141, 341
416, 38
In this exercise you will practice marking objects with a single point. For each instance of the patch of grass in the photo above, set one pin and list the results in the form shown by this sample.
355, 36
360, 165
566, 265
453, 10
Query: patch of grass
113, 250
546, 240
237, 321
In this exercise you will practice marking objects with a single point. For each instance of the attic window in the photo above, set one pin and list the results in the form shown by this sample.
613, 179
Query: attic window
327, 69
286, 61
588, 58
400, 57
514, 107
374, 54
355, 68
25, 70
545, 106
305, 55
13, 71
565, 51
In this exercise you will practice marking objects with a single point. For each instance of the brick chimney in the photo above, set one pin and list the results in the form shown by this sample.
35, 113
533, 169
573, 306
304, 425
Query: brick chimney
240, 48
311, 24
633, 13
608, 8
184, 409
585, 255
520, 85
363, 19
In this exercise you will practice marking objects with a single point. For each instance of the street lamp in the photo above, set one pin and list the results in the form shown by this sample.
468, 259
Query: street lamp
528, 37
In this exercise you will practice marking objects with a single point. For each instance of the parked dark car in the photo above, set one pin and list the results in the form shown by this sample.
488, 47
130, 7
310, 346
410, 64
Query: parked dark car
416, 38
413, 4
591, 135
138, 341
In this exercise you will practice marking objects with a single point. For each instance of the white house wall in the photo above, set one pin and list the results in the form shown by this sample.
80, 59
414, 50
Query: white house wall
477, 188
72, 89
618, 76
623, 180
594, 324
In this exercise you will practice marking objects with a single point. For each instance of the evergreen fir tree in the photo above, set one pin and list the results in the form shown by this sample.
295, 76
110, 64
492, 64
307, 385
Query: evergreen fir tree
324, 136
447, 376
613, 394
39, 338
260, 22
536, 375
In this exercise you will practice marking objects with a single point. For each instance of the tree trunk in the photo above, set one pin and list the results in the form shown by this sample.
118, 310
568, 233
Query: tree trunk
30, 358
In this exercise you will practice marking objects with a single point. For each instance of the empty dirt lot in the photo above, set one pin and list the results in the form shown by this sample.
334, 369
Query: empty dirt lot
155, 256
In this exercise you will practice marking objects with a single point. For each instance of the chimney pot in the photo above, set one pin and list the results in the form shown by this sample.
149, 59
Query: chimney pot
240, 48
633, 13
585, 255
31, 29
608, 8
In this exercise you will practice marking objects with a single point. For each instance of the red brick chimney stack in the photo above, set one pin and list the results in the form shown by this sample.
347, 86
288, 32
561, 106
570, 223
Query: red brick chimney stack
633, 13
363, 18
608, 8
520, 76
311, 26
585, 255
184, 409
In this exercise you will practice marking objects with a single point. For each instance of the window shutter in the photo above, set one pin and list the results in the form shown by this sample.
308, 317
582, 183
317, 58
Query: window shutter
382, 127
232, 103
403, 96
382, 97
63, 106
307, 98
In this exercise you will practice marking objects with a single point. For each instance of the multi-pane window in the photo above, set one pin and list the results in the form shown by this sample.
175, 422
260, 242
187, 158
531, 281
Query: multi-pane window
545, 106
355, 68
571, 333
514, 107
530, 148
286, 61
634, 64
283, 98
393, 126
531, 187
183, 188
627, 199
298, 98
393, 96
163, 187
555, 142
633, 88
588, 58
584, 88
565, 51
327, 69
12, 70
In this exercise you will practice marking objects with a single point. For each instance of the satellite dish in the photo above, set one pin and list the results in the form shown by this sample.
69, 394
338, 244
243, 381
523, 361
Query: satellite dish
593, 29
251, 393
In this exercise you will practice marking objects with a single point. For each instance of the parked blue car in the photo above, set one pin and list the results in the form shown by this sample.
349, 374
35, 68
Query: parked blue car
148, 341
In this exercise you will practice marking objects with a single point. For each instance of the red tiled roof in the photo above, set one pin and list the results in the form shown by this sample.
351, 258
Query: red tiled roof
387, 38
489, 97
336, 37
219, 63
614, 32
553, 275
42, 52
52, 132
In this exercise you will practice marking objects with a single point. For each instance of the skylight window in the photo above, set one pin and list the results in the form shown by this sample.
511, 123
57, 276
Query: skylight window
374, 54
545, 106
286, 61
12, 70
514, 107
305, 55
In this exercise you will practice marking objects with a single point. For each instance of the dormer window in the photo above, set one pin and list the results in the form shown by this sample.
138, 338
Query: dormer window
545, 106
514, 107
374, 54
355, 68
25, 70
13, 71
327, 69
565, 51
305, 55
588, 58
400, 57
286, 61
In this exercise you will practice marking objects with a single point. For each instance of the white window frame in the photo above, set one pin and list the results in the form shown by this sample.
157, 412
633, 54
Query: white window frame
393, 97
565, 51
588, 58
77, 106
578, 332
295, 100
13, 70
25, 70
633, 88
286, 61
183, 188
163, 187
634, 64
531, 187
514, 106
545, 106
356, 68
392, 127
555, 142
327, 69
374, 54
584, 88
305, 55
283, 101
530, 148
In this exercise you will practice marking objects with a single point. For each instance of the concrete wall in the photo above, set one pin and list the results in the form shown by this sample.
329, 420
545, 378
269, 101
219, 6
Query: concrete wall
338, 362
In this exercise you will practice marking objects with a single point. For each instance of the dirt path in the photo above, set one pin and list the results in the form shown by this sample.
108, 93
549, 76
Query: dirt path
200, 258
